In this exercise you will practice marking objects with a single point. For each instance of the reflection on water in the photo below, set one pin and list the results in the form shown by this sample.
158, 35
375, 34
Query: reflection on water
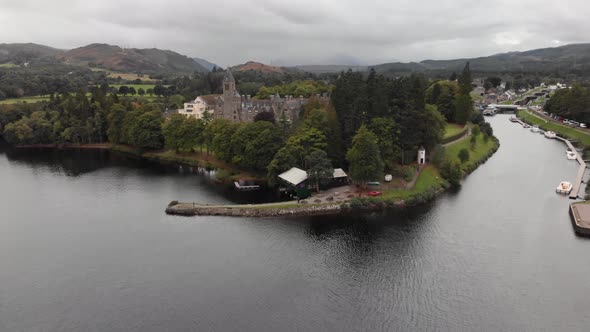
85, 246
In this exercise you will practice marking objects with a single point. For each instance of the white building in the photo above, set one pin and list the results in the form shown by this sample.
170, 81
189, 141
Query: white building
197, 107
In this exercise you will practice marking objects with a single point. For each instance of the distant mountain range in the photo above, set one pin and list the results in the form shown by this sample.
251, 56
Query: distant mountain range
110, 57
574, 56
206, 64
103, 56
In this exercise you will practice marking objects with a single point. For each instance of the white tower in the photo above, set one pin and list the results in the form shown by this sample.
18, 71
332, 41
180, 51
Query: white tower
421, 156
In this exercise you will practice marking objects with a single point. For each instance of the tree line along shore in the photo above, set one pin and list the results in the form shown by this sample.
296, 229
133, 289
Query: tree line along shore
371, 125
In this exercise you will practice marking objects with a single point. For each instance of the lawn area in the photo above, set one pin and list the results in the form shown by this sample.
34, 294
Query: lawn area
33, 99
481, 150
429, 178
8, 65
568, 132
453, 129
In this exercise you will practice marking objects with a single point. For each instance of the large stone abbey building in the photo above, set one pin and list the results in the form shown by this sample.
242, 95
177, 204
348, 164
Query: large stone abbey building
235, 107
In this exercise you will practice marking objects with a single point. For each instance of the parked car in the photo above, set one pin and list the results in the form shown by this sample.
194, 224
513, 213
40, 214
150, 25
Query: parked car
374, 193
574, 123
582, 125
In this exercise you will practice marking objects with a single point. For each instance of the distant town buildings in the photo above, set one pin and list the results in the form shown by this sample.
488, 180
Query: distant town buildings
232, 106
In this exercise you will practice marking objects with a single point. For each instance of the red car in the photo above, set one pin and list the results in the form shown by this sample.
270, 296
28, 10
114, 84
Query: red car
374, 193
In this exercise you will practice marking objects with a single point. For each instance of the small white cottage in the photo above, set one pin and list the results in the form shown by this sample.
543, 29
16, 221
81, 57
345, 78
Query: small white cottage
421, 156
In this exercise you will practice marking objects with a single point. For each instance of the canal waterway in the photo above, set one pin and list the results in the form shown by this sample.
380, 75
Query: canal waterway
85, 245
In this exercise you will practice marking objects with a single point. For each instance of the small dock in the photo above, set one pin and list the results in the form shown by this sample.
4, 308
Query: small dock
579, 177
580, 215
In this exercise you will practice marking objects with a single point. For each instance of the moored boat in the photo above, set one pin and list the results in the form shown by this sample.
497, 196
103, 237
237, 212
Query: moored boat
564, 188
550, 134
535, 129
571, 155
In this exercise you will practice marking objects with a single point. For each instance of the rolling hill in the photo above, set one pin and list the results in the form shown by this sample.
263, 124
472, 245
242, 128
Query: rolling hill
257, 66
574, 56
20, 53
130, 59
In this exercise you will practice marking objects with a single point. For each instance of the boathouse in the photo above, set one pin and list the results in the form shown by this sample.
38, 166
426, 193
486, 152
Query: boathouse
295, 180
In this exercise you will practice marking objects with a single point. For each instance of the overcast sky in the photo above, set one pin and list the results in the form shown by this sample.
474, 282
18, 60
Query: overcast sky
290, 32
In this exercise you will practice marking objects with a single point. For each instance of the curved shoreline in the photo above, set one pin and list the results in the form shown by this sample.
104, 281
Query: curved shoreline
292, 208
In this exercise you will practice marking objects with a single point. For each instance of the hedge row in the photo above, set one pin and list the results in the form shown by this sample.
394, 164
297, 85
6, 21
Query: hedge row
455, 137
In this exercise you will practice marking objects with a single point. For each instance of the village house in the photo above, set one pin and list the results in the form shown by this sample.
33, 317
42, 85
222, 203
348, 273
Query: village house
197, 107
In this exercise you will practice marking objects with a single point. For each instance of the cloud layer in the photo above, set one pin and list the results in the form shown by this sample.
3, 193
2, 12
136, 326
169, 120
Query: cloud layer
301, 32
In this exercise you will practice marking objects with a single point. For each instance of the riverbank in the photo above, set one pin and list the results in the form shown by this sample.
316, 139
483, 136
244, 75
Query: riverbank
226, 172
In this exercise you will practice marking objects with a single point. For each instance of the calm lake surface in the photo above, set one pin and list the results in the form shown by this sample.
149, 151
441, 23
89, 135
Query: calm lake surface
85, 246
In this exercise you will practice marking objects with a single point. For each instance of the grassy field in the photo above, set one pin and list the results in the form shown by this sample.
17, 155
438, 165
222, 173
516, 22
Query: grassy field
8, 65
33, 99
452, 129
135, 86
429, 178
568, 132
480, 151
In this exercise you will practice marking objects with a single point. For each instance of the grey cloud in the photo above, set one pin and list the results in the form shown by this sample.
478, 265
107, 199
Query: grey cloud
300, 32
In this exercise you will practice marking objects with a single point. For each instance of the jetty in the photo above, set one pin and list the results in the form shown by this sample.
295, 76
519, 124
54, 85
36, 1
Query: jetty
580, 176
580, 216
291, 208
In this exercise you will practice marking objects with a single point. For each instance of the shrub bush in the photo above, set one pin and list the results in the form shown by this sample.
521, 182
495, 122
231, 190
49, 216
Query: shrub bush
463, 155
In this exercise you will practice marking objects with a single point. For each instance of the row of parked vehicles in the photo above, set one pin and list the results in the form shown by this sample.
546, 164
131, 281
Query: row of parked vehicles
565, 121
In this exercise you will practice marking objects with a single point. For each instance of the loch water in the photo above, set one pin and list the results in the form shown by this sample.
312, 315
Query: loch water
85, 245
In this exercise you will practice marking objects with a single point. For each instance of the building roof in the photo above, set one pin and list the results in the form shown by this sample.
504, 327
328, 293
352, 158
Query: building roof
294, 176
210, 99
339, 173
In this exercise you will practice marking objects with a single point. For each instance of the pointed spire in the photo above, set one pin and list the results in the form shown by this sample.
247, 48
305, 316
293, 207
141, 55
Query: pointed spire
228, 76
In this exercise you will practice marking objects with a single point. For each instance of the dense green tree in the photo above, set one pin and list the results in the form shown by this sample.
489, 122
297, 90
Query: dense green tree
116, 119
463, 109
451, 171
265, 116
320, 168
146, 131
255, 144
387, 133
191, 133
465, 80
171, 129
364, 157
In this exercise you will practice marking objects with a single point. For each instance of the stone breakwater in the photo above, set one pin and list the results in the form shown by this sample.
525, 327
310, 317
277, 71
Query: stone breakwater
262, 210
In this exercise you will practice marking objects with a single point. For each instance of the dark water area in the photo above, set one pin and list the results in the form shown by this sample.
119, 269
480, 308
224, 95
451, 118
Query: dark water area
85, 246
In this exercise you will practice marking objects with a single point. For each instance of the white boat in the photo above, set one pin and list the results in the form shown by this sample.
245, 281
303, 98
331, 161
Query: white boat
526, 126
571, 155
513, 119
535, 129
550, 134
564, 188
